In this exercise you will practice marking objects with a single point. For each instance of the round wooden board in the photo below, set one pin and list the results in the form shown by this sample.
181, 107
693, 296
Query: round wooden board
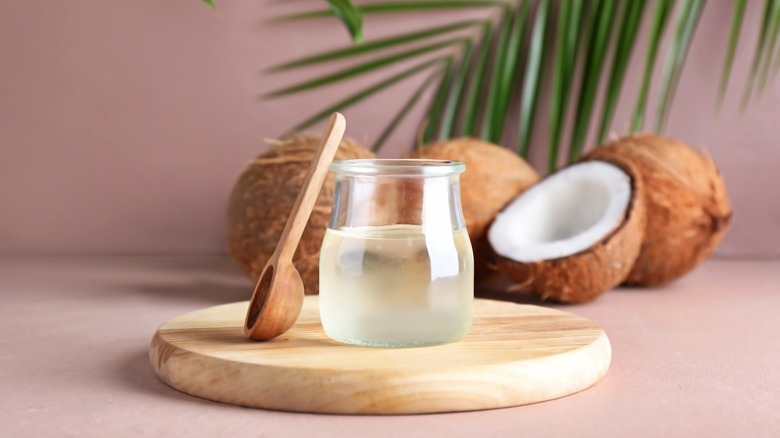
513, 355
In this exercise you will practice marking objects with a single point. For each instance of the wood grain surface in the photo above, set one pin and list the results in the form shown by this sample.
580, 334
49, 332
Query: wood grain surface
513, 355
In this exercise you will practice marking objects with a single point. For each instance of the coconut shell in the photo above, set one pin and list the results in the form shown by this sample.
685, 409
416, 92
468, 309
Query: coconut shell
688, 209
494, 176
263, 197
584, 276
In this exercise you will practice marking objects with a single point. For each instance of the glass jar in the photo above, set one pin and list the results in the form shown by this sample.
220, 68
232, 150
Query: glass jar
396, 265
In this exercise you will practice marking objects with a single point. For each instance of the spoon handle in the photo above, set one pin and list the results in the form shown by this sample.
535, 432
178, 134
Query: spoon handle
301, 211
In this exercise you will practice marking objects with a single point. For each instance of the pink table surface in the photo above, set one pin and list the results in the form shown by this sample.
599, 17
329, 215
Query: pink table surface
698, 358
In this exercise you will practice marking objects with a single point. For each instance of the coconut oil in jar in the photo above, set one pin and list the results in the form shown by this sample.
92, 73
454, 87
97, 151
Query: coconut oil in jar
393, 286
396, 264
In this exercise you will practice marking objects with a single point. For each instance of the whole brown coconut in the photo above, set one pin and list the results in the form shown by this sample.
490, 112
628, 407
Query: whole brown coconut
494, 176
584, 276
262, 200
688, 209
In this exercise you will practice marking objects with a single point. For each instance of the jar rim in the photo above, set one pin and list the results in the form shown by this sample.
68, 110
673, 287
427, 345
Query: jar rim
397, 167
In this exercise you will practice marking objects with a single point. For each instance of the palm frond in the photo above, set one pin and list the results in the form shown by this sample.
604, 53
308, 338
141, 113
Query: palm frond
437, 105
471, 106
350, 16
533, 71
375, 46
385, 134
455, 94
594, 62
366, 92
509, 69
686, 25
494, 83
479, 66
774, 30
629, 28
663, 9
398, 6
737, 16
758, 55
775, 64
774, 58
365, 67
567, 33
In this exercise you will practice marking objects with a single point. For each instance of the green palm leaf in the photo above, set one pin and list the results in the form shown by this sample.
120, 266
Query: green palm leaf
380, 141
759, 53
365, 67
350, 16
479, 72
675, 58
362, 94
771, 44
567, 33
509, 70
438, 103
629, 27
494, 83
776, 64
736, 27
663, 9
374, 46
774, 59
455, 93
594, 61
471, 106
533, 71
399, 6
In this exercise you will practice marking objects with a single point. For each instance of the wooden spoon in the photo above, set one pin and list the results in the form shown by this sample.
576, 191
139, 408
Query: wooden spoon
278, 297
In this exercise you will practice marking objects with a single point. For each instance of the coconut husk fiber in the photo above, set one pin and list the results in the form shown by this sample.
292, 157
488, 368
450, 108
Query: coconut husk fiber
263, 197
688, 209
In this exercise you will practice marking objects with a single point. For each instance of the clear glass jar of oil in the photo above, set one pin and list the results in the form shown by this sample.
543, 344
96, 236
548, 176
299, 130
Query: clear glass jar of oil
396, 265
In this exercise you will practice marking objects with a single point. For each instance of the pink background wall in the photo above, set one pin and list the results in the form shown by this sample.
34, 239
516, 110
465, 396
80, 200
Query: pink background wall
124, 124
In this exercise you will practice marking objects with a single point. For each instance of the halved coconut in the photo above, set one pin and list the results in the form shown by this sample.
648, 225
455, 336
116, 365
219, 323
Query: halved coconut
574, 235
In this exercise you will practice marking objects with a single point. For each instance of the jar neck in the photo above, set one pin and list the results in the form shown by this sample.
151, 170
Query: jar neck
432, 202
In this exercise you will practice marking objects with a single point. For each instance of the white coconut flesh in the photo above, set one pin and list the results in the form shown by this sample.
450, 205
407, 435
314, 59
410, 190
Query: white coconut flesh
564, 214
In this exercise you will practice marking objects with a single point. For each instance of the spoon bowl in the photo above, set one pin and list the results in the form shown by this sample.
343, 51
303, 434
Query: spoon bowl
275, 312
